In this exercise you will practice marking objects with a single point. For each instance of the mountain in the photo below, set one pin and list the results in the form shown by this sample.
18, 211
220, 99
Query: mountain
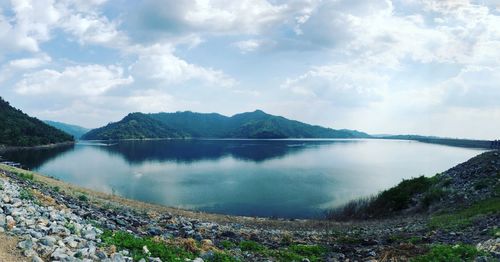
257, 124
133, 126
74, 130
19, 129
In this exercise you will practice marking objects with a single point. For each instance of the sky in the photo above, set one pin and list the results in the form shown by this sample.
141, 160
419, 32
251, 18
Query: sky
429, 67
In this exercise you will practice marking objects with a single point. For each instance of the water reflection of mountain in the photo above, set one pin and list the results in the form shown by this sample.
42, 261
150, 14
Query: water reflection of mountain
34, 158
195, 150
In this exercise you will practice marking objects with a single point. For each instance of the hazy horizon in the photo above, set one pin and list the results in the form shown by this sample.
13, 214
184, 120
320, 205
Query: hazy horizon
425, 67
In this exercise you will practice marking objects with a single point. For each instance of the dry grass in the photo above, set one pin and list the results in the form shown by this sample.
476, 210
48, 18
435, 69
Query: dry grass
8, 251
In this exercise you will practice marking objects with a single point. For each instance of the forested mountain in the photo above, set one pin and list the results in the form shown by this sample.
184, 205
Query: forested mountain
133, 126
257, 124
19, 129
74, 130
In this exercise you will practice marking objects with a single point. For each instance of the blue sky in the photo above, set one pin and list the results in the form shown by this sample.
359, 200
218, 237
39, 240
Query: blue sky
426, 67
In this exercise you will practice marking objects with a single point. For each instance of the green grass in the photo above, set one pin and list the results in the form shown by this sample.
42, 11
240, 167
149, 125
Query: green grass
310, 251
291, 253
226, 244
71, 227
25, 175
26, 194
448, 253
495, 232
465, 217
222, 257
433, 195
83, 198
248, 245
299, 252
123, 240
388, 201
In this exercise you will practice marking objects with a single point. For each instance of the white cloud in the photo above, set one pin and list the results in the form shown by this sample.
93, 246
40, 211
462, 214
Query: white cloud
473, 87
29, 63
94, 29
250, 45
215, 16
159, 63
341, 85
92, 80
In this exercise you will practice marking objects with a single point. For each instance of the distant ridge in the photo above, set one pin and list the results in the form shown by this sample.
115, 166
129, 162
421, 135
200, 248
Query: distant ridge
256, 124
74, 130
17, 129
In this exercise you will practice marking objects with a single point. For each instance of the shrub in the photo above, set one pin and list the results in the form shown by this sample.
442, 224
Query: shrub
448, 253
465, 217
251, 246
387, 202
26, 194
432, 196
226, 244
24, 175
123, 240
83, 198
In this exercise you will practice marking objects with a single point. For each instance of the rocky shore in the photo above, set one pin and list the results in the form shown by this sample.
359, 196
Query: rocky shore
56, 223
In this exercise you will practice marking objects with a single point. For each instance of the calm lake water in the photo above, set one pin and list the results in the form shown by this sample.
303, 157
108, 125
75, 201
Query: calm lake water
281, 178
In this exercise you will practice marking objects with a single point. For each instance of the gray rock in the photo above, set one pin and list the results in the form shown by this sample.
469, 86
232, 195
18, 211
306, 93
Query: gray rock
101, 255
26, 244
60, 254
117, 257
36, 259
48, 241
35, 234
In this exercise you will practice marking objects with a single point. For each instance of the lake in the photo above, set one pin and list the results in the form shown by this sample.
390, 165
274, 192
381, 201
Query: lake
278, 178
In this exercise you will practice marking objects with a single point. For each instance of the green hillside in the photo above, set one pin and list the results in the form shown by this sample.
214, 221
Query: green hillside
257, 124
133, 126
19, 129
74, 130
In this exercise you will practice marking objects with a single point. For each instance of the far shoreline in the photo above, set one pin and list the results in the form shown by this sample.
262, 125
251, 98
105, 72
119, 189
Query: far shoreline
4, 148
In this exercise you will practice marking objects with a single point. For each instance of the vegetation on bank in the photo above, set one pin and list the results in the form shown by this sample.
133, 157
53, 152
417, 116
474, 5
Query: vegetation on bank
457, 196
390, 201
17, 129
465, 217
450, 253
170, 250
257, 124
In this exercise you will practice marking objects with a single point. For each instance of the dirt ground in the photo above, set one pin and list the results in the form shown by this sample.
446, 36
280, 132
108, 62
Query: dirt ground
8, 250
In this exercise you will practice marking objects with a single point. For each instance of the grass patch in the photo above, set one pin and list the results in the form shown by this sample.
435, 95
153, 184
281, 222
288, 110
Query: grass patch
300, 252
448, 253
310, 251
252, 246
83, 198
123, 240
226, 244
291, 253
24, 175
433, 195
349, 240
387, 202
222, 257
71, 227
495, 232
465, 217
26, 194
